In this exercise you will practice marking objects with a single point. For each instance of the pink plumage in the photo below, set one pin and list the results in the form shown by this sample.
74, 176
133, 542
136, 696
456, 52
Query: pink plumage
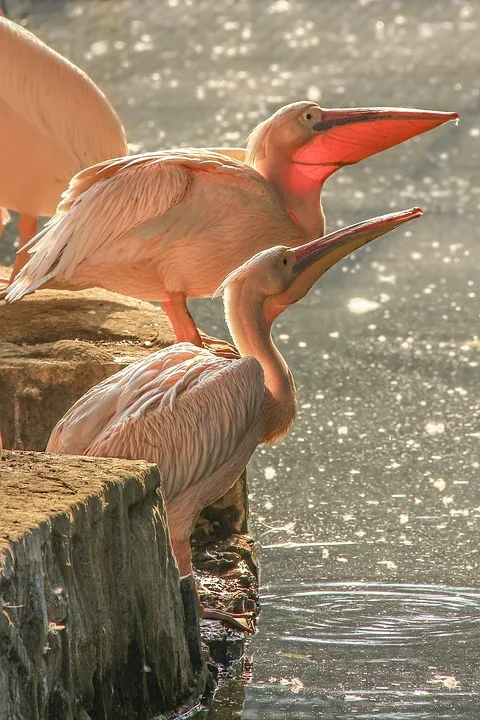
54, 121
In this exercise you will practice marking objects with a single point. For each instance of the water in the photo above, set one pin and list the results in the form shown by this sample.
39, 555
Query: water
367, 516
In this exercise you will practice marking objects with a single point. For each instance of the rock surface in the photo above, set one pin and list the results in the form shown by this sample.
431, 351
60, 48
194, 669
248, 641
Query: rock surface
91, 622
226, 574
56, 344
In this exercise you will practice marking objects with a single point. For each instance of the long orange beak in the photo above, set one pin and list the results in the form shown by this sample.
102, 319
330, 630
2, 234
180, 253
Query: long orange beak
346, 136
313, 259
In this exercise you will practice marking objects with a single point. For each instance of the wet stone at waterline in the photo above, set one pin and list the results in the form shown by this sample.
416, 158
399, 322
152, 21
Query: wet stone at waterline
366, 517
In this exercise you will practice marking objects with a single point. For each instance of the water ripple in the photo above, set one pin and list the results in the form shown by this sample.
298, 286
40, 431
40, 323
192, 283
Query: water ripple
380, 614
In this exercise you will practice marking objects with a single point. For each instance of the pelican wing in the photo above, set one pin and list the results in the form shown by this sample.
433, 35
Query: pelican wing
231, 152
125, 201
45, 91
183, 408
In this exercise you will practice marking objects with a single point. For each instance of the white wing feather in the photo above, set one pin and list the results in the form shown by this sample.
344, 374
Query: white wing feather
182, 408
124, 199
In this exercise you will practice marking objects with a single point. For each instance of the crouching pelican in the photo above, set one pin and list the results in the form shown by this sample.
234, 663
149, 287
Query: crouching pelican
199, 416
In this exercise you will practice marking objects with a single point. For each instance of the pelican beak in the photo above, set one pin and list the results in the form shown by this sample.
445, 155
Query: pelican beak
346, 136
313, 259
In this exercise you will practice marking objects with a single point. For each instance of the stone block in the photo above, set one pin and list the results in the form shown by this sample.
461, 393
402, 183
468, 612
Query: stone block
91, 611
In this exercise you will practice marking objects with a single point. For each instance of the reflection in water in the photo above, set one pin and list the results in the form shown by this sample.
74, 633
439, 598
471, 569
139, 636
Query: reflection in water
367, 517
382, 705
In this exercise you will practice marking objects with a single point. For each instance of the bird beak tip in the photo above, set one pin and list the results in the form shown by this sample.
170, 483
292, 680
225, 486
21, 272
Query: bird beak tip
350, 238
415, 212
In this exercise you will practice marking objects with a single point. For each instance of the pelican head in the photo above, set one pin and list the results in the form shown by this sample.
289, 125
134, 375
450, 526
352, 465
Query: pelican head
317, 142
278, 277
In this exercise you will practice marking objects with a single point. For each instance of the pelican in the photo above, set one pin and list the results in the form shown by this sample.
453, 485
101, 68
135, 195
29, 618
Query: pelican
199, 416
170, 225
54, 121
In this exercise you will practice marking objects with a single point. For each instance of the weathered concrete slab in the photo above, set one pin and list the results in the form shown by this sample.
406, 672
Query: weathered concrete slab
91, 614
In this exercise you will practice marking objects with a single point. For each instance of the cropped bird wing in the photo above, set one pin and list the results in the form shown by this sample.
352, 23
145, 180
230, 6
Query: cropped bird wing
182, 408
56, 99
111, 210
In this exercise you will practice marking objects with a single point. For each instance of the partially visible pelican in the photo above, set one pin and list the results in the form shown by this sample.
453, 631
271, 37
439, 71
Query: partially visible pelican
198, 416
54, 121
171, 225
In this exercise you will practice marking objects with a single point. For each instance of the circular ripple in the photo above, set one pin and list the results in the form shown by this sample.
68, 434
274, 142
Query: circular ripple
380, 614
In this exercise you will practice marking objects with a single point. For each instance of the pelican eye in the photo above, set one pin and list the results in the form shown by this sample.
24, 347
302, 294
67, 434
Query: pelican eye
285, 261
308, 116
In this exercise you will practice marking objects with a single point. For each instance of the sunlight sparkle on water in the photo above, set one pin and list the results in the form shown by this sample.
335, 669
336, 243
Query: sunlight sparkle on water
270, 472
359, 305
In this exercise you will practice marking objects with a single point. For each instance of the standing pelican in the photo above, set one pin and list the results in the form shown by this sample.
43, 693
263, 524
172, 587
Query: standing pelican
198, 416
171, 225
54, 121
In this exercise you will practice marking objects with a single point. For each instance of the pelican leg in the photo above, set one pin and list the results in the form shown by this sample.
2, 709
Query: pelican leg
27, 228
183, 555
239, 621
182, 322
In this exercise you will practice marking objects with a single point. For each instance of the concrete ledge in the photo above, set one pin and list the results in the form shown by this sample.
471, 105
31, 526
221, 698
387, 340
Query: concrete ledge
56, 344
91, 622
